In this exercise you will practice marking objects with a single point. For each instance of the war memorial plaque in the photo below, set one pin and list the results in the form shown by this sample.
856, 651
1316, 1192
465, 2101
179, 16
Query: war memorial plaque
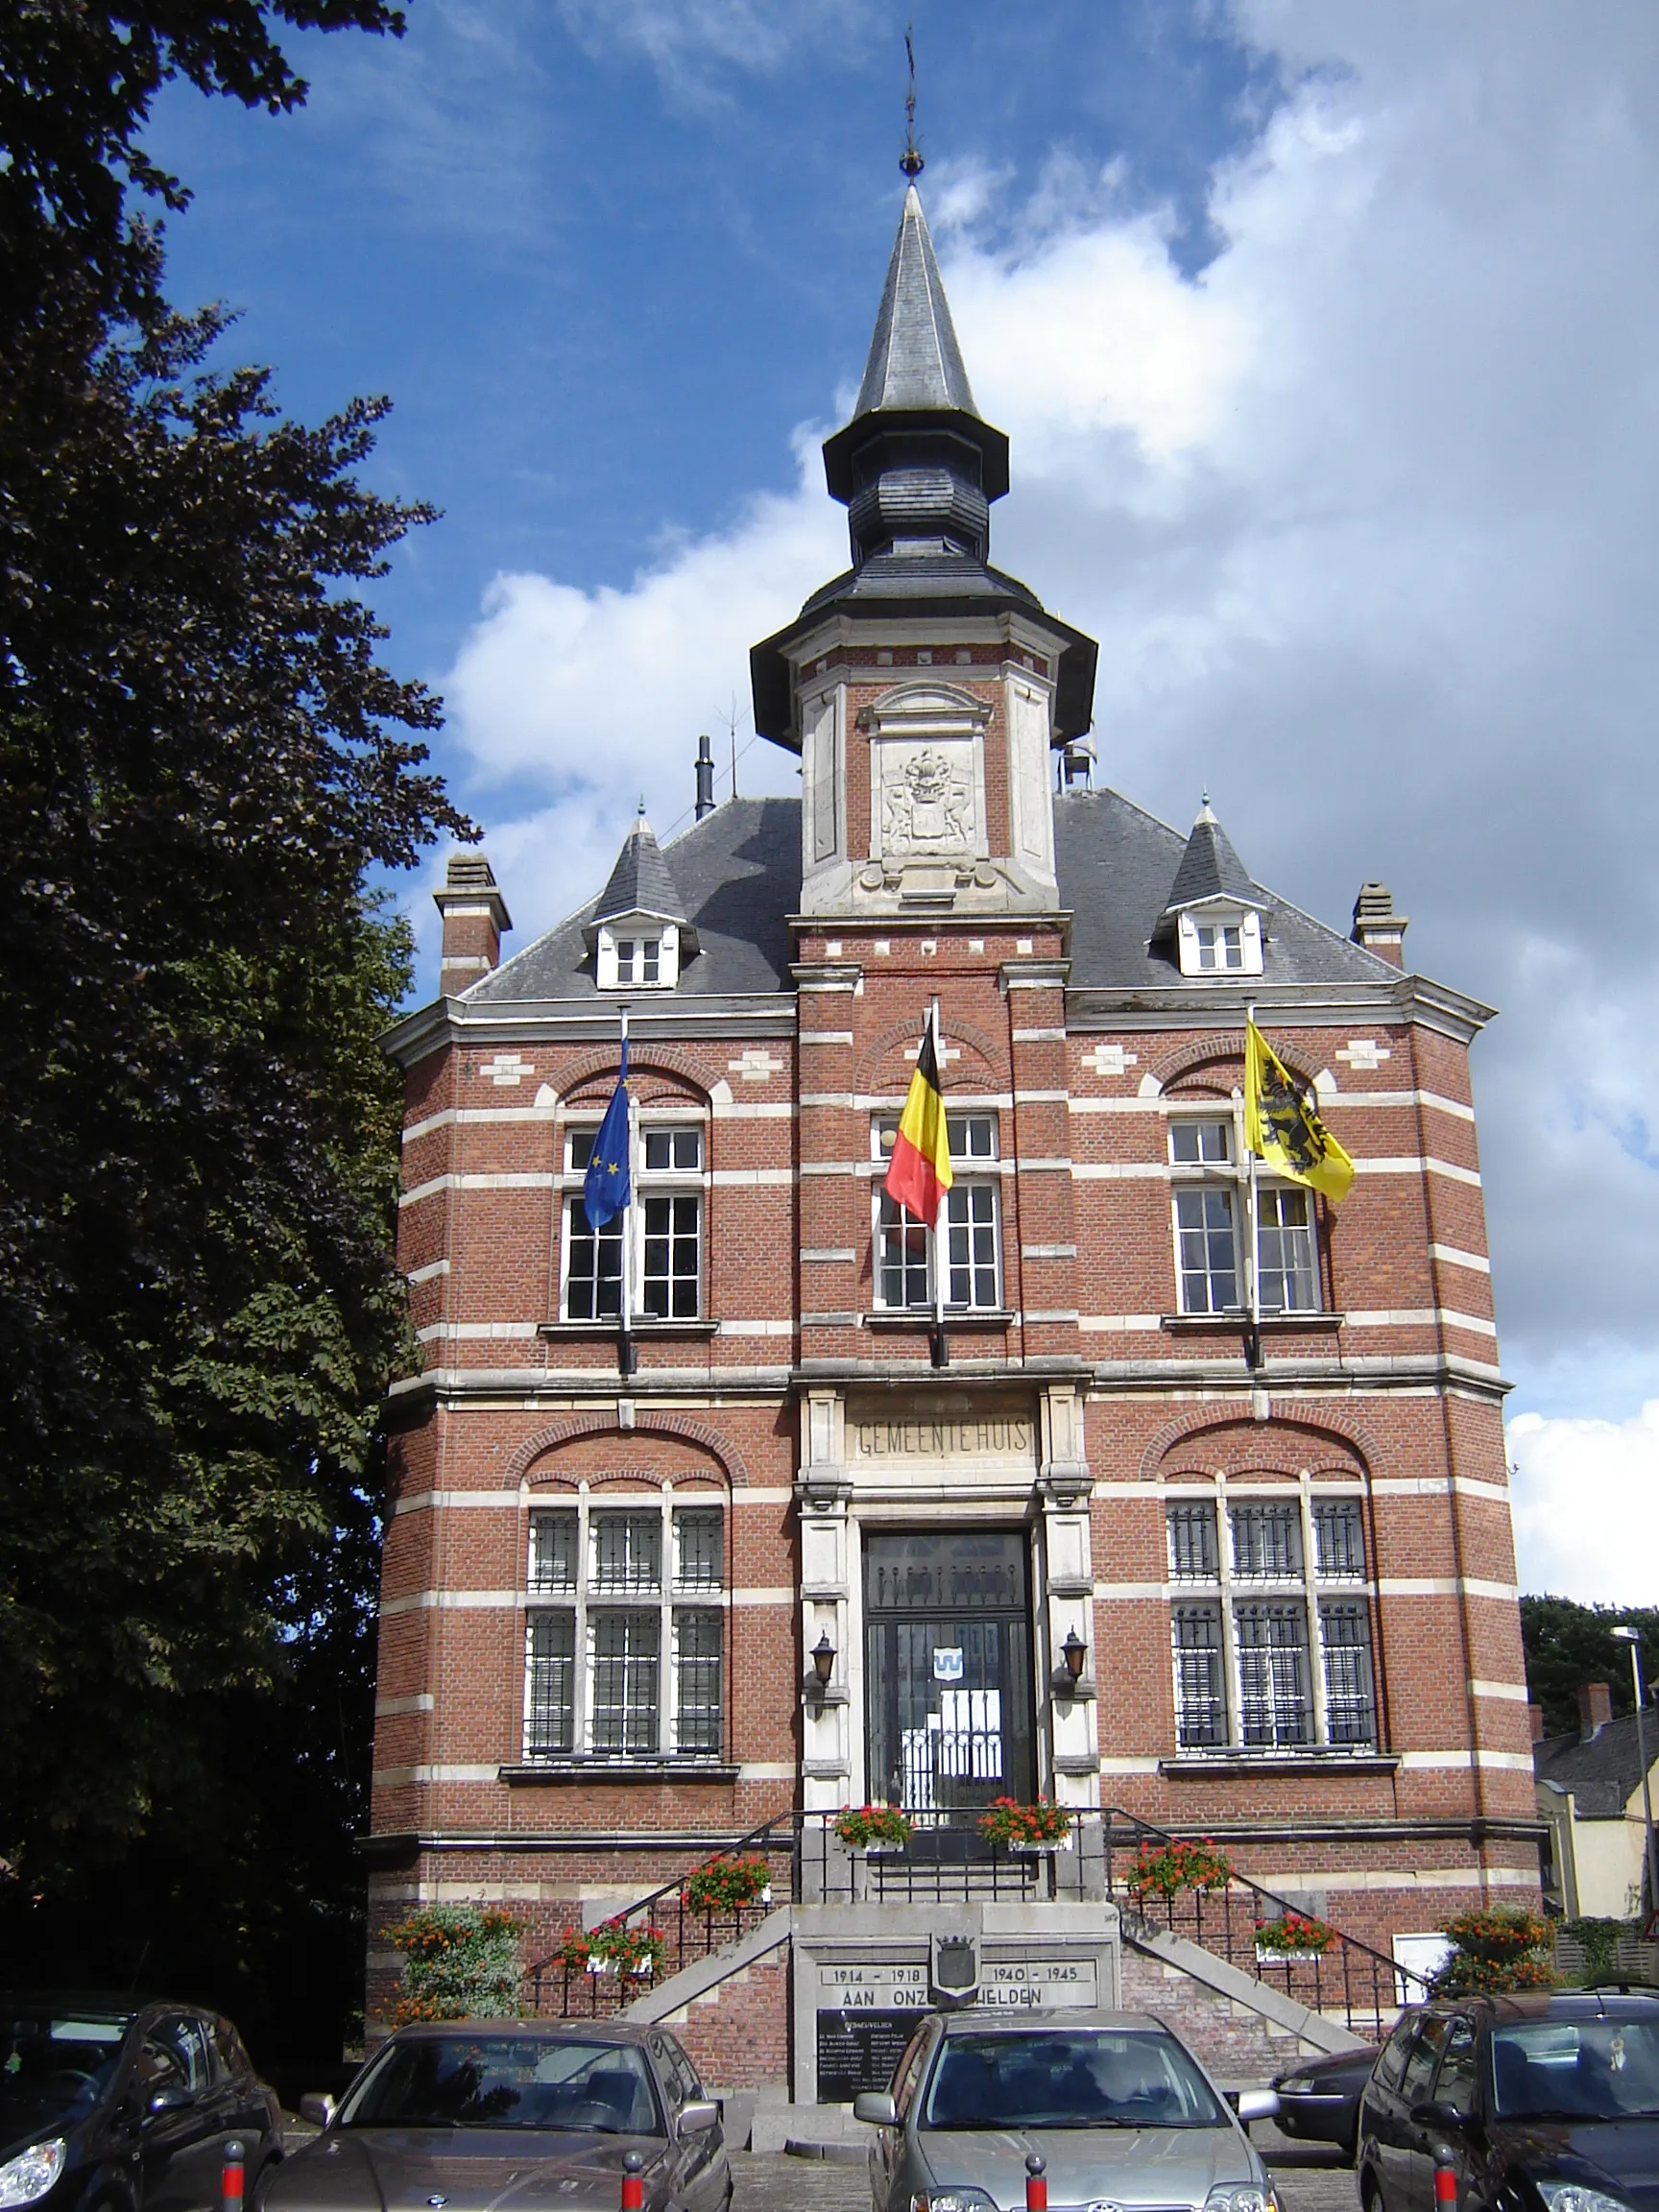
866, 2016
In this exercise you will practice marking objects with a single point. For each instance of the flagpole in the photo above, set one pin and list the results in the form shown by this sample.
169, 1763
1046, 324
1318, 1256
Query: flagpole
1253, 1343
624, 1335
939, 1350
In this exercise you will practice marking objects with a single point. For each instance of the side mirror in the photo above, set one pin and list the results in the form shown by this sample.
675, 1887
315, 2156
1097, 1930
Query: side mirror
319, 2110
1256, 2105
1436, 2114
175, 2098
876, 2109
698, 2114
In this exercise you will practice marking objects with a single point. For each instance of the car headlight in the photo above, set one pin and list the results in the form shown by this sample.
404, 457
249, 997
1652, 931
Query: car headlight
1240, 2196
33, 2172
1559, 2196
953, 2200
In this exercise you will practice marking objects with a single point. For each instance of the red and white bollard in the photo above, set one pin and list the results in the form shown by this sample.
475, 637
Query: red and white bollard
633, 2183
231, 2180
1445, 2181
1036, 2182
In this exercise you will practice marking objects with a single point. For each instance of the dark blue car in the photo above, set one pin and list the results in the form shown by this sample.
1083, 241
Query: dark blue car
1545, 2103
109, 2106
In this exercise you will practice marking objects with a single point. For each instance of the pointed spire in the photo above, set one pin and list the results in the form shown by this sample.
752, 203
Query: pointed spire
1209, 868
914, 358
641, 882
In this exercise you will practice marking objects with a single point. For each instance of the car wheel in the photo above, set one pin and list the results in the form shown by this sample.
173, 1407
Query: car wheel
1371, 2195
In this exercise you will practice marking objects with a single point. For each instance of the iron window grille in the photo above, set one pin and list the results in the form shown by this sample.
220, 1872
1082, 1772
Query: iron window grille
1274, 1660
972, 1226
668, 1235
632, 1664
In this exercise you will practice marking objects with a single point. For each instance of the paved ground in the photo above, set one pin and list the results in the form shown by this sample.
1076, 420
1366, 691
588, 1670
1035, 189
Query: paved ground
1308, 2180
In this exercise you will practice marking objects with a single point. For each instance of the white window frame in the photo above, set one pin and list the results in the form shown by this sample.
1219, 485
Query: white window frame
648, 940
670, 1182
1216, 918
1329, 1593
976, 1169
1231, 1176
671, 1604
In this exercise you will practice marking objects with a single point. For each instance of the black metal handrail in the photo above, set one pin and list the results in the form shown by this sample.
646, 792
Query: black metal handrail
1362, 1981
566, 1990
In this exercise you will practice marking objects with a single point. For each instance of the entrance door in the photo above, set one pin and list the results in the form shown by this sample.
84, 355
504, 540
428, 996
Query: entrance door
950, 1721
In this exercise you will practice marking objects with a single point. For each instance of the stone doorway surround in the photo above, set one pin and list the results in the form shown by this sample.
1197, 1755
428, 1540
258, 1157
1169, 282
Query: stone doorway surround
931, 1453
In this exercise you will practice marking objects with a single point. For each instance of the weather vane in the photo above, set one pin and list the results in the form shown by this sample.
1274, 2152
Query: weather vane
910, 160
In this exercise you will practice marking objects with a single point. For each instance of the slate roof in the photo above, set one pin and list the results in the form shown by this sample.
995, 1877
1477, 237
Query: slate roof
1209, 868
914, 358
738, 874
1604, 1773
641, 882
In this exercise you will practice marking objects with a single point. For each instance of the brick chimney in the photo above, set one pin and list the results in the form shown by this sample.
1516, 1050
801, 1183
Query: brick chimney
1535, 1717
1594, 1708
1375, 924
474, 916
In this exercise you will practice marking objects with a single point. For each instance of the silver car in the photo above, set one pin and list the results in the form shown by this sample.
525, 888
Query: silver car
508, 2116
1118, 2110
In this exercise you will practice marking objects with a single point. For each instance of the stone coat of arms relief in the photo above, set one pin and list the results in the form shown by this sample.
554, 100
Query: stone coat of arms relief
927, 802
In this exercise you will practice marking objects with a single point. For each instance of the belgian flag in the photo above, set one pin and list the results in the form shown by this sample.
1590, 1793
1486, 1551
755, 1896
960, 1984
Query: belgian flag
919, 1172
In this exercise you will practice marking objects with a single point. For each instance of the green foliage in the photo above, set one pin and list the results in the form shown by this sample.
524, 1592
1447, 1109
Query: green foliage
1599, 1938
861, 1825
1505, 1948
459, 1962
1567, 1644
204, 771
1007, 1823
1185, 1863
726, 1885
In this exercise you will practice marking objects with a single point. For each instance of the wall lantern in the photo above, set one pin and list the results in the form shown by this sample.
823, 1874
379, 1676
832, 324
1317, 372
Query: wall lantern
824, 1660
1068, 1680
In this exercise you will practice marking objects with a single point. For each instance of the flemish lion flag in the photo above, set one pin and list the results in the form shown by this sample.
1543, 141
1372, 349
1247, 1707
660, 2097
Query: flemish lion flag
919, 1172
1281, 1128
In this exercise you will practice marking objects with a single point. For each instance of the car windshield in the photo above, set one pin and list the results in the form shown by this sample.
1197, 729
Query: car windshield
1576, 2070
472, 2080
1073, 2078
53, 2065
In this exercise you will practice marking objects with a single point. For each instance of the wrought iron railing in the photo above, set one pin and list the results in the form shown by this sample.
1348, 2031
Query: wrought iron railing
1348, 1981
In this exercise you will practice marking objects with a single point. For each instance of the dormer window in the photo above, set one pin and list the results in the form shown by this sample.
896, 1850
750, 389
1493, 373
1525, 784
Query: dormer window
1217, 942
639, 959
634, 953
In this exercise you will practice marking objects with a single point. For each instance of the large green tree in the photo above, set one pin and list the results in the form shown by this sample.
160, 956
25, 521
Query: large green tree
204, 769
1567, 1644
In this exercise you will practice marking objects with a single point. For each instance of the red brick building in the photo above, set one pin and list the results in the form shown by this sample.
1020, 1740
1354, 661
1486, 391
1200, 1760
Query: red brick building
1292, 1582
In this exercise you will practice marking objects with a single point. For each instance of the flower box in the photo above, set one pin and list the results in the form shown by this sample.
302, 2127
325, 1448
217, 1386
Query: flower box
1007, 1825
875, 1828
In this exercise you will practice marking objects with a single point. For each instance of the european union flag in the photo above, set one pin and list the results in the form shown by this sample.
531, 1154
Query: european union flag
605, 1191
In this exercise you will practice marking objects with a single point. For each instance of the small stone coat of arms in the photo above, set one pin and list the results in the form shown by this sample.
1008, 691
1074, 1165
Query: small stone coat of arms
927, 805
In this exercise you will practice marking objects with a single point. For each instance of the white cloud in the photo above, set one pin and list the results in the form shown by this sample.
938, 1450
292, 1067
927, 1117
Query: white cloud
1363, 519
688, 43
1587, 1507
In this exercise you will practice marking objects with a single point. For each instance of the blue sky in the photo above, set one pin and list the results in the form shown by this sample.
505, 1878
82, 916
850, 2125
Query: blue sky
1325, 336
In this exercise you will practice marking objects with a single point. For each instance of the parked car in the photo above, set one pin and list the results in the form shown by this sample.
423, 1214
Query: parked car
1319, 2099
1545, 2102
473, 2114
124, 2107
1117, 2105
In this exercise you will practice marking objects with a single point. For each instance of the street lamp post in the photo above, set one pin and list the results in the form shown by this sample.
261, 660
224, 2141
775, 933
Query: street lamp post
1633, 1637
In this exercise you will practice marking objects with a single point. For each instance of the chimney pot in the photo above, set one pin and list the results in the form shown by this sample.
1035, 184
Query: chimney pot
474, 916
705, 778
1594, 1708
1536, 1715
1375, 924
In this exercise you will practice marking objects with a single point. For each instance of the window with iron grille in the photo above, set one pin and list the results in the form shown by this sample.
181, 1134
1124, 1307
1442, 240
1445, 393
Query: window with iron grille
667, 1231
628, 1667
1201, 1684
1338, 1538
1267, 1543
972, 1226
1194, 1553
1271, 1669
1275, 1706
1350, 1699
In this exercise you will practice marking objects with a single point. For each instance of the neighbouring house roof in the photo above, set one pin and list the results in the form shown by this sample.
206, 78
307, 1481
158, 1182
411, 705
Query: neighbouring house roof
1602, 1773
